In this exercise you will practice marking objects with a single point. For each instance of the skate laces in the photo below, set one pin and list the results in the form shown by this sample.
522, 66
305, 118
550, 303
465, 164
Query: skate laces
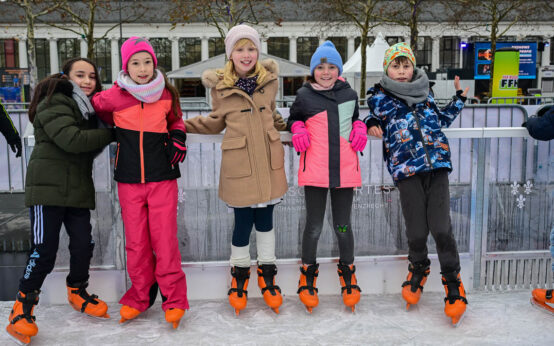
27, 304
240, 275
453, 287
88, 298
268, 272
419, 271
549, 294
310, 272
346, 273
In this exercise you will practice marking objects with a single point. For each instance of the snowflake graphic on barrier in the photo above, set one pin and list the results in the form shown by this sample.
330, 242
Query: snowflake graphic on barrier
515, 188
528, 187
520, 202
181, 197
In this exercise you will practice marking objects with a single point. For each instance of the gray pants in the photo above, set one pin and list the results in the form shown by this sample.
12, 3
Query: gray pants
425, 200
341, 207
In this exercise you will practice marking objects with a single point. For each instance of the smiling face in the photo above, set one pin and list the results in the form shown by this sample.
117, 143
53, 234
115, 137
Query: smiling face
244, 57
326, 74
141, 67
83, 74
401, 70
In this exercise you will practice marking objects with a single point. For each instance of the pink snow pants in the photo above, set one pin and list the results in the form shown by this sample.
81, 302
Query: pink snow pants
149, 213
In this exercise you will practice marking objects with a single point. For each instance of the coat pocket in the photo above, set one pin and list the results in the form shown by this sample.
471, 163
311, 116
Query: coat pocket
276, 150
235, 161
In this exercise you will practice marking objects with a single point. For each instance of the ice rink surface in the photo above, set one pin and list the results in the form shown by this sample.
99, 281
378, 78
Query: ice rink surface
492, 318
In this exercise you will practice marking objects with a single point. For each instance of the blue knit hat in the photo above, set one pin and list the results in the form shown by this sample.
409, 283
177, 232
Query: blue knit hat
326, 53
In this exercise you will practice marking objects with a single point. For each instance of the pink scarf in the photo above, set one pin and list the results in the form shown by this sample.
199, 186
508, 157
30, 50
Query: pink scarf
148, 93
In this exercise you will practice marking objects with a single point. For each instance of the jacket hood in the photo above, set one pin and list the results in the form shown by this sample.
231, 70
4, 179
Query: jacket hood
211, 77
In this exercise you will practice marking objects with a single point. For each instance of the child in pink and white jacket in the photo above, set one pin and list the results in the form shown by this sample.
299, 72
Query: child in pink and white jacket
150, 133
328, 135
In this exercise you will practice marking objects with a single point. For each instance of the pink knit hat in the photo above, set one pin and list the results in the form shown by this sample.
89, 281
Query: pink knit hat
241, 31
134, 45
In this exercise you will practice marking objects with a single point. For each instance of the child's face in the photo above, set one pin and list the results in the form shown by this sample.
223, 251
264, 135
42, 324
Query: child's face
326, 74
401, 71
83, 74
244, 58
141, 67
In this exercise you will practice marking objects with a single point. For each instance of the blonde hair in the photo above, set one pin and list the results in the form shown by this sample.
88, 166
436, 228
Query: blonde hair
230, 76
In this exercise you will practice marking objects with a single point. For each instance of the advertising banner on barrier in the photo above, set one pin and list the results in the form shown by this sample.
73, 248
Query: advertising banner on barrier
505, 75
527, 58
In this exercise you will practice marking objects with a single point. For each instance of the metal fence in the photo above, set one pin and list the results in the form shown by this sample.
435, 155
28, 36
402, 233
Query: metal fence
502, 194
522, 100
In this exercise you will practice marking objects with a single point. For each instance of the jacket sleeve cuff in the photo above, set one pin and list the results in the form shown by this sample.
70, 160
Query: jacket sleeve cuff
459, 95
370, 122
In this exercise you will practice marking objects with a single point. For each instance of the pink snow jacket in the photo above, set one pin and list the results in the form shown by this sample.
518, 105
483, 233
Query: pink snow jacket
329, 161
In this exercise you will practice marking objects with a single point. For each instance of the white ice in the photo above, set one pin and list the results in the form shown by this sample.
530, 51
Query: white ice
492, 318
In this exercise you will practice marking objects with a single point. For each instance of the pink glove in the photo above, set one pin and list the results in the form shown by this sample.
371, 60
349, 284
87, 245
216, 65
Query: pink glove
358, 136
300, 137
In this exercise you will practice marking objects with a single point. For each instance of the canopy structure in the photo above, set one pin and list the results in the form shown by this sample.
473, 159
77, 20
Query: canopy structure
374, 63
287, 69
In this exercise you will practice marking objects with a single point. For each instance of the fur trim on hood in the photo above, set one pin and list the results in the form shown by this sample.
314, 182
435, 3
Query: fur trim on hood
211, 77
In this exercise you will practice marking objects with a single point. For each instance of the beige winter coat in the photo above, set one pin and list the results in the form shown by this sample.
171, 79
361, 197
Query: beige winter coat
252, 159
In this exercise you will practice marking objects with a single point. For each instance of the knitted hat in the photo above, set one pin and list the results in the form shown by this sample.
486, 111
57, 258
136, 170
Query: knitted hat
326, 53
238, 32
134, 45
399, 49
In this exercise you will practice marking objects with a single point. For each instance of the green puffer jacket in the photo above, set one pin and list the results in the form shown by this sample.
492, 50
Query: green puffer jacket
60, 169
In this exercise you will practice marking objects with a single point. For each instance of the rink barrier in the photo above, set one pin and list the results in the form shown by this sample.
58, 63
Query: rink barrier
487, 130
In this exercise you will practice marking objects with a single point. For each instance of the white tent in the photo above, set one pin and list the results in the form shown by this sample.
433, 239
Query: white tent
374, 63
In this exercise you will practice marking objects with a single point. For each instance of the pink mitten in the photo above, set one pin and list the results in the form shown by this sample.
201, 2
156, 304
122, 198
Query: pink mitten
358, 137
300, 136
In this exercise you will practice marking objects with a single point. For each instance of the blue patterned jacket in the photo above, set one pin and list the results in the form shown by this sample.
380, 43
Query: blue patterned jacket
412, 138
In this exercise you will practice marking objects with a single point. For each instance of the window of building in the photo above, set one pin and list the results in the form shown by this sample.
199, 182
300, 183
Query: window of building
103, 59
190, 87
216, 46
190, 50
305, 47
424, 52
68, 48
552, 51
42, 57
392, 40
291, 85
279, 46
449, 52
9, 53
162, 47
341, 44
358, 40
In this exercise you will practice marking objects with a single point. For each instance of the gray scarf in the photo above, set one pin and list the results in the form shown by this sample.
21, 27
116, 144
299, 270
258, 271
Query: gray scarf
412, 92
82, 101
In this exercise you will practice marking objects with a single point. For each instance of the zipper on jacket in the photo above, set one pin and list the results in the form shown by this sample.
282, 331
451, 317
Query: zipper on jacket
117, 156
428, 163
141, 143
305, 154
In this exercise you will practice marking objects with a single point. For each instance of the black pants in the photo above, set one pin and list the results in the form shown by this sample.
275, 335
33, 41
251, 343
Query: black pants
247, 217
341, 207
425, 200
46, 223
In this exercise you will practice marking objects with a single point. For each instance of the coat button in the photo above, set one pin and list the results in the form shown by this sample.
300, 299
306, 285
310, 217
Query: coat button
261, 90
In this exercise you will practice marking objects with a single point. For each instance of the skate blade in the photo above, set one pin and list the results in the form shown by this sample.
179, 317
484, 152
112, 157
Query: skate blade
276, 310
542, 306
408, 306
176, 324
309, 309
456, 321
237, 312
19, 339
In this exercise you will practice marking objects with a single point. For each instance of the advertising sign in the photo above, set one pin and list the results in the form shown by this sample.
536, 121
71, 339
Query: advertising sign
527, 58
505, 75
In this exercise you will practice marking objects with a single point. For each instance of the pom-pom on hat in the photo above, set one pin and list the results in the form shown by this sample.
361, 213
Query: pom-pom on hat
134, 45
394, 51
239, 32
326, 53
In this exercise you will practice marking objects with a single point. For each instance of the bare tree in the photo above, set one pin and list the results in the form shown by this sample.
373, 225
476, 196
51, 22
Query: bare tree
362, 13
224, 14
499, 15
83, 14
34, 9
405, 13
